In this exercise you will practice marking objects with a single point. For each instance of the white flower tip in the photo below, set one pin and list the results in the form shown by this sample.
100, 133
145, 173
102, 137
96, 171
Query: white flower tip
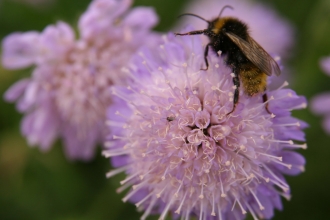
219, 52
304, 146
289, 94
267, 180
161, 46
261, 207
277, 58
272, 115
227, 163
201, 196
223, 195
144, 62
216, 65
177, 212
244, 212
117, 113
184, 64
290, 142
232, 75
302, 168
271, 98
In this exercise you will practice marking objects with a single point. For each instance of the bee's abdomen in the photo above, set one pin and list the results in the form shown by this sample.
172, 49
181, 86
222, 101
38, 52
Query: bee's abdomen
254, 81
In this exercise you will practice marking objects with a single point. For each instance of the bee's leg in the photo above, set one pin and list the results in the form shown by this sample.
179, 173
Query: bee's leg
236, 94
192, 32
206, 52
265, 99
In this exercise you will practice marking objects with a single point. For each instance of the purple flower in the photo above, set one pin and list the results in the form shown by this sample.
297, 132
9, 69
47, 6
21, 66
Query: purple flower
320, 103
183, 154
68, 91
271, 31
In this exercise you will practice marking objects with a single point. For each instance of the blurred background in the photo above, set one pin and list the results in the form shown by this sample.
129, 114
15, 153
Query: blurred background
36, 185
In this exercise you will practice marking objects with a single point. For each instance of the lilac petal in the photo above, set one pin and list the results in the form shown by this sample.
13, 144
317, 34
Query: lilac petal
295, 159
100, 16
141, 17
40, 127
55, 41
20, 50
325, 65
119, 161
202, 119
16, 90
80, 146
320, 104
29, 97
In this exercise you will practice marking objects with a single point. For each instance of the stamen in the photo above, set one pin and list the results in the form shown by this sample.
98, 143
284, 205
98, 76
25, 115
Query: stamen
251, 211
181, 204
240, 205
144, 199
219, 211
289, 124
275, 177
123, 187
283, 85
271, 156
299, 146
289, 166
162, 217
129, 178
257, 200
131, 193
201, 211
116, 171
117, 152
212, 212
147, 212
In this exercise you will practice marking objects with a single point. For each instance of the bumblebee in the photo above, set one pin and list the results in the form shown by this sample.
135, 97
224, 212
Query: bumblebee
250, 63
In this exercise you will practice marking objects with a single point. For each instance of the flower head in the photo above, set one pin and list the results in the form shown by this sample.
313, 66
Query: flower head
260, 18
320, 103
67, 94
183, 154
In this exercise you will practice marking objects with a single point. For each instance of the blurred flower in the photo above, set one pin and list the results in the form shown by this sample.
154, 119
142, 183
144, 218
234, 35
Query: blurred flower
183, 154
320, 103
271, 31
68, 92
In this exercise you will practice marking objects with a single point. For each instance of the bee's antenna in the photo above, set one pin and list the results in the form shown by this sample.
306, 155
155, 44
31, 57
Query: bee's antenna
223, 8
194, 16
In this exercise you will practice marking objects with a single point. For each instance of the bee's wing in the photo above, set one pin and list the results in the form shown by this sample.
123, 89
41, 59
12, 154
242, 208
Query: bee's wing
256, 54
